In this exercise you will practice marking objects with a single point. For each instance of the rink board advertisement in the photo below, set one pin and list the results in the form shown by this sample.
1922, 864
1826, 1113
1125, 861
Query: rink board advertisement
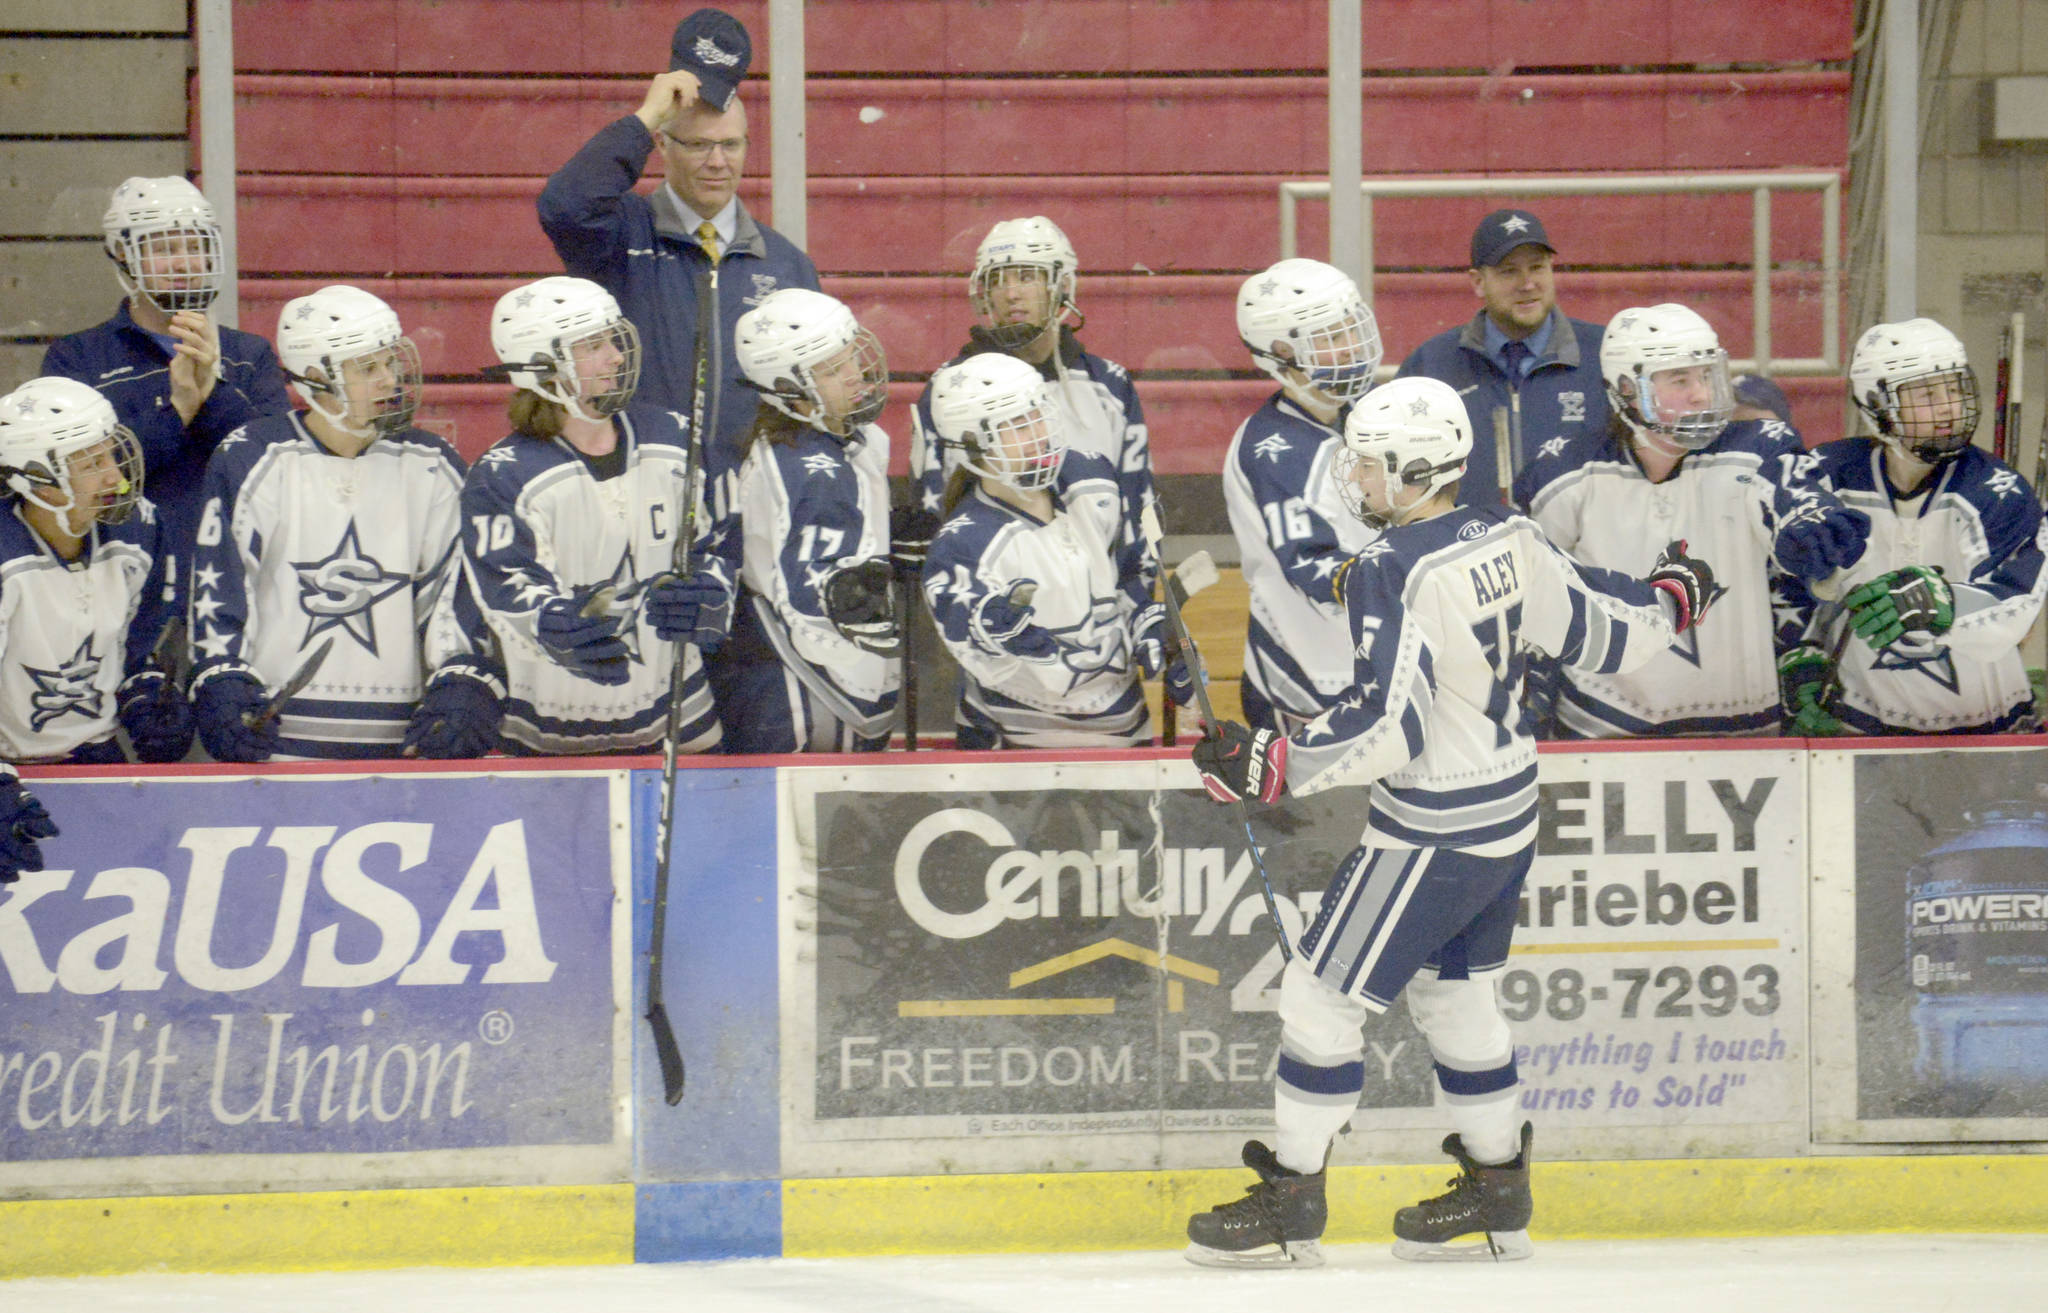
383, 978
1935, 1010
1020, 967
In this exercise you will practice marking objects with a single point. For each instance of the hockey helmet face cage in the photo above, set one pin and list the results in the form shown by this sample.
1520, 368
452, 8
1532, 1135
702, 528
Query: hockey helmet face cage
1023, 280
1306, 325
1915, 383
997, 412
165, 243
1667, 375
564, 339
63, 449
1402, 445
812, 360
350, 360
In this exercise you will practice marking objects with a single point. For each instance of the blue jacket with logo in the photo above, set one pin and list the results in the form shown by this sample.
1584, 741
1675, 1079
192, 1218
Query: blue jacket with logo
1563, 396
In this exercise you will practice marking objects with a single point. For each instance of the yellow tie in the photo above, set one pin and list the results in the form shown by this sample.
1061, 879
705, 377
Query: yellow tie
707, 237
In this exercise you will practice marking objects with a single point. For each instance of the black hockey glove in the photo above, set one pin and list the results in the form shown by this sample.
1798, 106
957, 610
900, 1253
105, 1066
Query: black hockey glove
1820, 538
860, 601
911, 529
1915, 600
22, 822
1804, 679
1002, 624
1239, 762
458, 716
1159, 655
1689, 582
586, 645
220, 697
157, 716
696, 610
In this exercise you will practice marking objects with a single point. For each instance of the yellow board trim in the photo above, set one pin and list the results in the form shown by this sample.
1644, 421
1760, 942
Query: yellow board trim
1029, 1213
319, 1231
1005, 1007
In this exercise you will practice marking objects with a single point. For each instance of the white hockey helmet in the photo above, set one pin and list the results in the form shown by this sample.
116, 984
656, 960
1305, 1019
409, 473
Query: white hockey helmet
165, 242
1304, 317
548, 333
1646, 341
1416, 433
342, 339
1915, 383
1036, 244
55, 433
997, 411
811, 360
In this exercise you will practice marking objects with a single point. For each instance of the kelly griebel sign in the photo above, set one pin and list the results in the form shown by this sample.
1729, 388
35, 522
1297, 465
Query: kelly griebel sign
1035, 950
302, 965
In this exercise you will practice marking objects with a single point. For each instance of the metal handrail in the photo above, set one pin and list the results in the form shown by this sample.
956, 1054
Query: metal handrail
1759, 185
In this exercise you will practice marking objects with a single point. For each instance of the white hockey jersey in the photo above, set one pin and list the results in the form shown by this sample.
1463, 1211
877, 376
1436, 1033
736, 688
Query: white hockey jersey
1979, 523
1442, 613
807, 509
297, 545
1726, 500
1293, 531
539, 525
71, 631
1088, 590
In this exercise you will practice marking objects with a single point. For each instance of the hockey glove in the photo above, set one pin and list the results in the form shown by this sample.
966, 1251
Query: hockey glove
458, 716
586, 645
156, 715
1820, 538
696, 610
911, 529
1689, 582
1804, 679
219, 699
860, 601
1915, 600
22, 822
1003, 625
1159, 655
1240, 762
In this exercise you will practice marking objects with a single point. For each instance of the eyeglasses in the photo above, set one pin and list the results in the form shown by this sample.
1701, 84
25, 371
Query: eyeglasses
698, 149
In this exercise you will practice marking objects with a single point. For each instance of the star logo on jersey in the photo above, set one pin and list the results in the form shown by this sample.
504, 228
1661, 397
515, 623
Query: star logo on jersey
1514, 223
1574, 404
68, 688
1326, 566
1553, 448
2004, 483
624, 582
340, 590
1271, 447
496, 456
1936, 663
1374, 550
821, 462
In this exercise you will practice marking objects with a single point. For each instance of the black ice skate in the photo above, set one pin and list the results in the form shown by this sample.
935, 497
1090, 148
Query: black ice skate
1278, 1223
1489, 1203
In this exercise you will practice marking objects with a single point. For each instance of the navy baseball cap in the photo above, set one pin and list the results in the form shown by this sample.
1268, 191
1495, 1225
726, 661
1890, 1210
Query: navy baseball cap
1760, 392
714, 45
1504, 230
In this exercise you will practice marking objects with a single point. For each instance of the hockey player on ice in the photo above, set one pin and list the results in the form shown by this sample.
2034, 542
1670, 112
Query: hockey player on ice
1953, 576
83, 587
1306, 325
334, 528
1035, 585
812, 664
1672, 466
1441, 609
570, 526
1024, 289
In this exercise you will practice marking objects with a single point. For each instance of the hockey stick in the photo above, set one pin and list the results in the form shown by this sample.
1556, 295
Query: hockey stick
1195, 573
906, 607
666, 1051
2016, 391
2000, 390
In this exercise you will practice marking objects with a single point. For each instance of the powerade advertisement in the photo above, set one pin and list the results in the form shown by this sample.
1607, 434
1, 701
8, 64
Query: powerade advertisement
301, 965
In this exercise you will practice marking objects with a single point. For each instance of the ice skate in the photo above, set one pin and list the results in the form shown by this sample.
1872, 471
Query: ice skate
1278, 1223
1488, 1209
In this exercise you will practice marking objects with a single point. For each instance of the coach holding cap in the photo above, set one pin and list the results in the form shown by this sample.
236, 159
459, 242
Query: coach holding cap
648, 251
1528, 375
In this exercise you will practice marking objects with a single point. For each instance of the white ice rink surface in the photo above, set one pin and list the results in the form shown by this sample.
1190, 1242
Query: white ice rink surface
1925, 1274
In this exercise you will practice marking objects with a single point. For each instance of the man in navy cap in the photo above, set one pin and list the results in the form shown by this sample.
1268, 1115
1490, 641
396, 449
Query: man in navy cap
1529, 376
648, 251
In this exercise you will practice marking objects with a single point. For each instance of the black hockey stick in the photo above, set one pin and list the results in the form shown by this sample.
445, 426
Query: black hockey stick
906, 606
1196, 572
666, 1051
